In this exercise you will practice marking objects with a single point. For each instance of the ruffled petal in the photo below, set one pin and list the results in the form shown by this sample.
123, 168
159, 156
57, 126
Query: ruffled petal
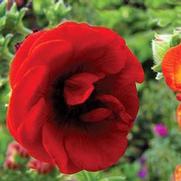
111, 102
21, 54
79, 87
123, 89
113, 59
133, 68
178, 115
171, 68
53, 141
98, 147
96, 115
97, 48
29, 133
25, 95
117, 107
55, 55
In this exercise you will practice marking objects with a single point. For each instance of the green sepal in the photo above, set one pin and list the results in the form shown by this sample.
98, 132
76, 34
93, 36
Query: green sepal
176, 38
157, 68
4, 50
159, 76
160, 45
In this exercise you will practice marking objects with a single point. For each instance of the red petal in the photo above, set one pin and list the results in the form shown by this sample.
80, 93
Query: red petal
110, 51
178, 96
96, 115
133, 68
30, 131
110, 58
171, 67
79, 87
55, 55
93, 149
110, 101
123, 88
53, 141
128, 97
178, 114
117, 107
22, 53
26, 94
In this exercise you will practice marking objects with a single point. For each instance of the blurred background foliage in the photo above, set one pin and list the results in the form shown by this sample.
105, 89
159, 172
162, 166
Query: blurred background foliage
149, 156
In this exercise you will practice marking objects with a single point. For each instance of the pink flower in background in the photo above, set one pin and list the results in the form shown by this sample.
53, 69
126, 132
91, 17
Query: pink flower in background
143, 172
13, 150
40, 167
160, 130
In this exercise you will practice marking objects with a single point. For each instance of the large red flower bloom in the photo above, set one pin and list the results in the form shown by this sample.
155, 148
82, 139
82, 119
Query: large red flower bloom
74, 98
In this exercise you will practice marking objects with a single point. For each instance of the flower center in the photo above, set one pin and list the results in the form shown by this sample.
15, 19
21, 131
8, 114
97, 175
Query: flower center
70, 114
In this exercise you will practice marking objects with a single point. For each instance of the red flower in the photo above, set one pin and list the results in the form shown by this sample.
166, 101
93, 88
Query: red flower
171, 67
74, 98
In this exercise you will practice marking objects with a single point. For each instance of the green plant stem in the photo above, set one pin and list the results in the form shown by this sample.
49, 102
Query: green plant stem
23, 30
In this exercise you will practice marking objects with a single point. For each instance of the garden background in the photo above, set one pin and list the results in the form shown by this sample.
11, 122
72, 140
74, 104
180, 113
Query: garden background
152, 154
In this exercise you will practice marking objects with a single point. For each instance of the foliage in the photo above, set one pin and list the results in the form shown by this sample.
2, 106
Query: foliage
167, 152
50, 12
158, 104
12, 28
134, 20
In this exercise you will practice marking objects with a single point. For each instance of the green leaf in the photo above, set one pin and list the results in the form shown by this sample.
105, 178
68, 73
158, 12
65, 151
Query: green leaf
2, 8
39, 5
